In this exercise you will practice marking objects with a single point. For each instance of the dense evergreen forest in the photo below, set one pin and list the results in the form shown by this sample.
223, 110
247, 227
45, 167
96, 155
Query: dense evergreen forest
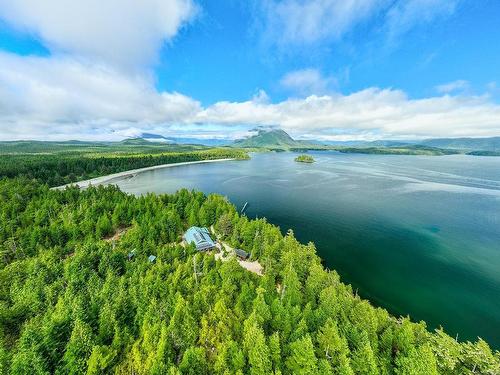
62, 168
75, 298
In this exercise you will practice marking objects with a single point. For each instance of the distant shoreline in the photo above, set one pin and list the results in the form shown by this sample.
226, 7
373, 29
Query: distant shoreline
103, 180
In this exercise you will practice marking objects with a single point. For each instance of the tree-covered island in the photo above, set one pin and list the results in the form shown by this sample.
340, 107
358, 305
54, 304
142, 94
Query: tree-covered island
304, 159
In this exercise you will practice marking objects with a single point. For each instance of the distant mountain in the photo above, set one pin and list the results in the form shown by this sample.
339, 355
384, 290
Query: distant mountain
200, 141
337, 143
136, 142
184, 140
491, 144
471, 144
377, 143
271, 139
155, 138
390, 143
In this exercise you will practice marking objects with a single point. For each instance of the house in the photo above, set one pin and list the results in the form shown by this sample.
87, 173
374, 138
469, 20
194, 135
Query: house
200, 237
151, 258
242, 254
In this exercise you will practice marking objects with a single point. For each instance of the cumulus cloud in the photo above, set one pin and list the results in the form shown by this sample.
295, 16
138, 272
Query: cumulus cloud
70, 97
61, 99
307, 82
124, 33
96, 83
373, 112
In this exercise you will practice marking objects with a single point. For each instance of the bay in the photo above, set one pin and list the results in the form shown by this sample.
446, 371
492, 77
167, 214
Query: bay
418, 235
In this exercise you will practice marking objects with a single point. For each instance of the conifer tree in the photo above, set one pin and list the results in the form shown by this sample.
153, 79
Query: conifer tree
302, 360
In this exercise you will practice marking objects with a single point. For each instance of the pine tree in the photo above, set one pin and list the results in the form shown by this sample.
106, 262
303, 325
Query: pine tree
363, 358
193, 362
290, 291
182, 326
302, 360
259, 358
275, 350
78, 349
103, 226
418, 361
261, 309
331, 346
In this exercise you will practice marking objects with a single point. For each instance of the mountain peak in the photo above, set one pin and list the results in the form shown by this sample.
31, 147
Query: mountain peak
272, 138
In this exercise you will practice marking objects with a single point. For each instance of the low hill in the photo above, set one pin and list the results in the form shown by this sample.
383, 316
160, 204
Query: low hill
476, 144
399, 150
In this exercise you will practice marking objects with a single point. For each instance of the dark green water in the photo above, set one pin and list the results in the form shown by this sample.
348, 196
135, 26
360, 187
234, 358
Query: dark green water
419, 236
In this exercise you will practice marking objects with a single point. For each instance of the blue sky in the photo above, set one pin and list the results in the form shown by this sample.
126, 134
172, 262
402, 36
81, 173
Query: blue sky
223, 55
325, 69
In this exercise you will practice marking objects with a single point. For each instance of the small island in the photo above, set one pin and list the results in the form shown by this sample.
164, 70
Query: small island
304, 159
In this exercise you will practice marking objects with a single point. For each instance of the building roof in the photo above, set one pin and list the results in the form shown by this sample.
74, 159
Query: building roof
151, 258
241, 253
200, 237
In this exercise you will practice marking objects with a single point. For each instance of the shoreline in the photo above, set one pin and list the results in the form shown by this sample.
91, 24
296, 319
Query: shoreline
107, 179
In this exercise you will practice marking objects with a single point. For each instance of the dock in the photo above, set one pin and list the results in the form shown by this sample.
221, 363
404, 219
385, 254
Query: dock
244, 207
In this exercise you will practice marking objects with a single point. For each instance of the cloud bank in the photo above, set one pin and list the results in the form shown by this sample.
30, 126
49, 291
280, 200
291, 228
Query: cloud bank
97, 82
51, 98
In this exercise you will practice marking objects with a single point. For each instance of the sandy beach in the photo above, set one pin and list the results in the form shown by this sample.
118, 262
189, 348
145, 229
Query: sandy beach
110, 178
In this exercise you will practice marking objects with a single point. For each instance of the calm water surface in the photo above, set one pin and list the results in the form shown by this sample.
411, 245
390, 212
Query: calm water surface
419, 236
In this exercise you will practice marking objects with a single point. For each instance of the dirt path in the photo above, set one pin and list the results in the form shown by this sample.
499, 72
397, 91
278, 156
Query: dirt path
117, 235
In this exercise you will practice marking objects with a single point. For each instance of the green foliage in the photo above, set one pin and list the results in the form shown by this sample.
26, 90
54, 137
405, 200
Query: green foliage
302, 360
304, 159
399, 150
275, 139
72, 302
63, 168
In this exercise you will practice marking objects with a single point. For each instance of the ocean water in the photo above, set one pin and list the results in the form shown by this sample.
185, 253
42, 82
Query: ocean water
417, 235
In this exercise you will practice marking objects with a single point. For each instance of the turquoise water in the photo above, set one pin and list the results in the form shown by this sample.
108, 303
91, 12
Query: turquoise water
419, 236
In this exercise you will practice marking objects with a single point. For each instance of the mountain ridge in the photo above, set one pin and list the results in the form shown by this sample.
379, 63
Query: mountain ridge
272, 139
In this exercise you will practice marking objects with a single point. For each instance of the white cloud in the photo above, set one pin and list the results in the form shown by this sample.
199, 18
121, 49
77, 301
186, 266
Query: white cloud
59, 98
405, 14
297, 21
96, 84
47, 95
372, 112
124, 33
308, 82
454, 86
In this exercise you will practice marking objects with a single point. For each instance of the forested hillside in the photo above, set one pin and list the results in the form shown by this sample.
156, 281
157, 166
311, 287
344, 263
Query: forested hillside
72, 301
63, 168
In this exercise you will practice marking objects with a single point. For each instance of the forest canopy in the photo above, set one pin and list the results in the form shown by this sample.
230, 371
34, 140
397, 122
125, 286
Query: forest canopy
61, 168
76, 298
